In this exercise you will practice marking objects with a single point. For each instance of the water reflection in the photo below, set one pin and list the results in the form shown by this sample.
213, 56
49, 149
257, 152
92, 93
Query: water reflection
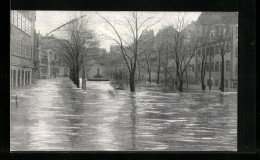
133, 119
55, 115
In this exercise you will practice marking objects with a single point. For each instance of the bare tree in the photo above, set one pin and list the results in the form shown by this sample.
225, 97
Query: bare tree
129, 41
184, 47
160, 47
79, 40
203, 29
223, 38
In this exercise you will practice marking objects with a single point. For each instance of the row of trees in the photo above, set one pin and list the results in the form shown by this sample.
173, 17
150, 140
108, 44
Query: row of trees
171, 49
179, 42
75, 47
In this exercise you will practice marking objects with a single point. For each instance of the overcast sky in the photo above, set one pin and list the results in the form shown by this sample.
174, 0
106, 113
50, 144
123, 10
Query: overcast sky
47, 21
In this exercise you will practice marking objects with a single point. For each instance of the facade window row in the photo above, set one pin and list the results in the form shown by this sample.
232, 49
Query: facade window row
215, 66
21, 48
20, 77
22, 22
213, 50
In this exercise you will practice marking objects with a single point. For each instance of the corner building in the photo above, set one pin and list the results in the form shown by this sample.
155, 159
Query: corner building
22, 47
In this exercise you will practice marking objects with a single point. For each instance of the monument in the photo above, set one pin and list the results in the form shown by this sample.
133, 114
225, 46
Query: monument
97, 77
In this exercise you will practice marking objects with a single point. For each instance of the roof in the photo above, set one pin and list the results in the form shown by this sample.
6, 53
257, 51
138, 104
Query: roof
218, 17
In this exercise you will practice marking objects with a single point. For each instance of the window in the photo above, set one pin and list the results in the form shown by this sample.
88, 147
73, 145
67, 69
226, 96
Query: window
212, 66
29, 27
12, 44
228, 47
11, 77
228, 66
23, 50
226, 83
29, 77
12, 17
26, 26
216, 82
19, 23
216, 66
25, 77
19, 46
15, 18
14, 78
31, 51
23, 23
22, 78
207, 66
18, 78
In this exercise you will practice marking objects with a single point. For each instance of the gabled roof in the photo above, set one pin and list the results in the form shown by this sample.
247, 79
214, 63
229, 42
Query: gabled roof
217, 17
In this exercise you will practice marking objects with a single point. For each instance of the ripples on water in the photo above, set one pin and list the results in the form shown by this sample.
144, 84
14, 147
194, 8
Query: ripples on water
55, 115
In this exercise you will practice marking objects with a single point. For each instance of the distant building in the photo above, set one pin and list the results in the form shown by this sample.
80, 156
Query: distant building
47, 59
22, 47
211, 48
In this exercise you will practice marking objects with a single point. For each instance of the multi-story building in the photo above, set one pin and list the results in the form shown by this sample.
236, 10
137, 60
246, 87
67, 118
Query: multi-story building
47, 58
213, 60
22, 47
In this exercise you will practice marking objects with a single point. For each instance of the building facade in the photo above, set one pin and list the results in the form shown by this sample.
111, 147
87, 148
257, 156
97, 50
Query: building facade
213, 61
47, 62
22, 47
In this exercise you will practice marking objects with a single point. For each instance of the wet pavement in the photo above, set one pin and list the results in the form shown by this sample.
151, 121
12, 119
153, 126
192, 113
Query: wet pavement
54, 115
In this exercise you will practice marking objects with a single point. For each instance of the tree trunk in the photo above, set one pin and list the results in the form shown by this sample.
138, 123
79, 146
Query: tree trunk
222, 74
165, 77
187, 81
77, 76
210, 71
132, 82
150, 77
203, 86
166, 71
181, 85
148, 70
139, 73
159, 68
83, 79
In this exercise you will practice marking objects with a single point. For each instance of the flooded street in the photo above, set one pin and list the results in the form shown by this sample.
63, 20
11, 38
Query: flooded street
54, 115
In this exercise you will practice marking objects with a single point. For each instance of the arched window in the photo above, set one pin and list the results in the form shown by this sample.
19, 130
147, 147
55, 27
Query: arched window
22, 78
25, 77
28, 77
18, 78
11, 77
14, 78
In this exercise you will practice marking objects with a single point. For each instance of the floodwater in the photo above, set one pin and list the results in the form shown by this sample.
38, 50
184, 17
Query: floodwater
53, 115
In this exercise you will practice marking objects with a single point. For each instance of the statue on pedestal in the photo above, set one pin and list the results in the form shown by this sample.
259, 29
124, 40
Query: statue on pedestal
98, 75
